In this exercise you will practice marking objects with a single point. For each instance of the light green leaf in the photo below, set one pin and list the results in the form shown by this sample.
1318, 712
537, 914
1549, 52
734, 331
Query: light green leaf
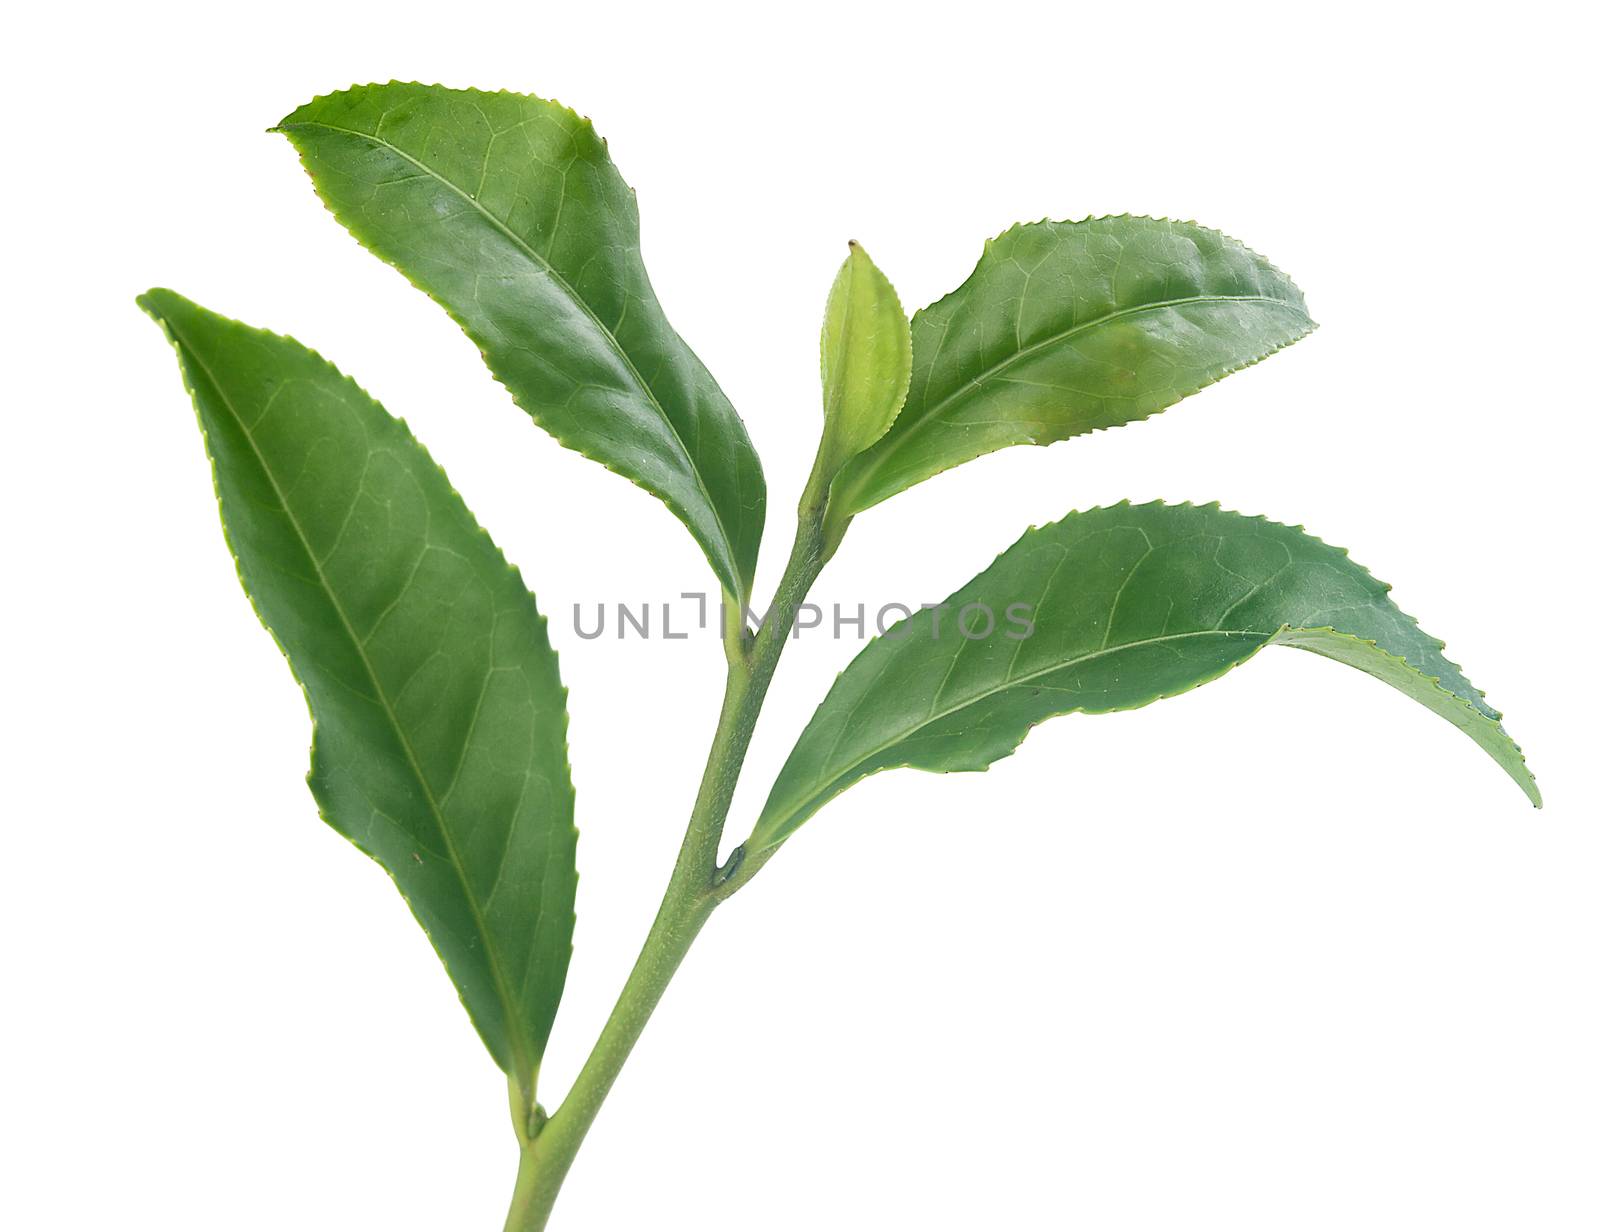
1066, 327
1119, 607
866, 363
439, 716
507, 210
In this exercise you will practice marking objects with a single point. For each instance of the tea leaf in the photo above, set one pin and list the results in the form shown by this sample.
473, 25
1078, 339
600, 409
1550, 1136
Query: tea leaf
1066, 327
1119, 607
507, 210
438, 711
866, 362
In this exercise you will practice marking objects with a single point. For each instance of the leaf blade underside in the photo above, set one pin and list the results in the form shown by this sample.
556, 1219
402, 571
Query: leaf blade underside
1130, 604
439, 717
1069, 327
507, 211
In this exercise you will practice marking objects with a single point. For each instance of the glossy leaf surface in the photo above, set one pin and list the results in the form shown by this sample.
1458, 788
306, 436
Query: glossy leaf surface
866, 361
1066, 327
508, 211
1127, 605
439, 715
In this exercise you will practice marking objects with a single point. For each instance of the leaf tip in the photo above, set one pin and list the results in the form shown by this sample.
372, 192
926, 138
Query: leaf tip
160, 303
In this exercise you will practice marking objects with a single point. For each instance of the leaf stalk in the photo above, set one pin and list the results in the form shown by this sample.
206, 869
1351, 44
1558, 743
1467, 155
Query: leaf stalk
698, 885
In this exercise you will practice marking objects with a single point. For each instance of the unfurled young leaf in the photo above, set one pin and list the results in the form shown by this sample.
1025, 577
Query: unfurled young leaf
866, 363
440, 718
507, 210
1065, 327
1109, 610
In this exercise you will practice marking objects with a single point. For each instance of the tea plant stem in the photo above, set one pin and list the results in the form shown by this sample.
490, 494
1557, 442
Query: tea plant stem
696, 888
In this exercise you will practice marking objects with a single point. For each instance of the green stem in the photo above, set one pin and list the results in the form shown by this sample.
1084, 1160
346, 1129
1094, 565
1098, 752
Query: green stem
696, 888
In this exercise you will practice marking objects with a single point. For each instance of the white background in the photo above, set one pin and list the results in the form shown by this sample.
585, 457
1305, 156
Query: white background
1284, 953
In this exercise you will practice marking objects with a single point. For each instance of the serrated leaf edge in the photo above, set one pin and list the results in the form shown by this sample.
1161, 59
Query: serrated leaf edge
760, 841
541, 621
742, 586
1311, 327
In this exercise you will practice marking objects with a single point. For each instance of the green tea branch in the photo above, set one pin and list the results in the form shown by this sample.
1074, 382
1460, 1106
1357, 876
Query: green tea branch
436, 696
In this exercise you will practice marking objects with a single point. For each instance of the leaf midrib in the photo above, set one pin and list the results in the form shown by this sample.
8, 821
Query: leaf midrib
936, 715
572, 294
511, 1007
931, 410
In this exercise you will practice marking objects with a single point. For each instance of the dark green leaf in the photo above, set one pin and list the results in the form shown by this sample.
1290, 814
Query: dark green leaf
507, 210
440, 720
1127, 605
1065, 327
